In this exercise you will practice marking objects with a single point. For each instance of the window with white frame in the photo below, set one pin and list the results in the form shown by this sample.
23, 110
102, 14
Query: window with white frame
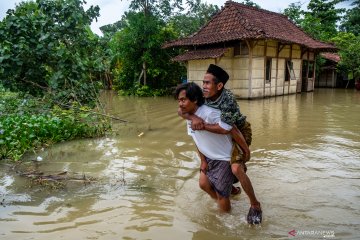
289, 70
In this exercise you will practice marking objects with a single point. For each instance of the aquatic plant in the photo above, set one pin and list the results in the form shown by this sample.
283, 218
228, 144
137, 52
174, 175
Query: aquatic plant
26, 124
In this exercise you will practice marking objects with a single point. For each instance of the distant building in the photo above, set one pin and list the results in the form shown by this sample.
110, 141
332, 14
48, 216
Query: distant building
264, 53
329, 78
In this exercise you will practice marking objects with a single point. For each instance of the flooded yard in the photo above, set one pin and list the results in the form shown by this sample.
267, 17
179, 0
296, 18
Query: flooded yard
142, 181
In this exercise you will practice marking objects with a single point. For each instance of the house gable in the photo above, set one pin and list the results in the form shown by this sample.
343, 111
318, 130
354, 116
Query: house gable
236, 21
262, 51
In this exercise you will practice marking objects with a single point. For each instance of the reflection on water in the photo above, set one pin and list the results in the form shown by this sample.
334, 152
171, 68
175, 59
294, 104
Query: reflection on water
305, 170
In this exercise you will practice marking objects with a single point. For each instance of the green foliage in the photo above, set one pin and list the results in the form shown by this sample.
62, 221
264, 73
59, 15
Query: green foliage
320, 19
349, 46
140, 41
187, 23
47, 47
26, 124
160, 8
137, 45
111, 29
18, 103
313, 26
251, 3
144, 91
320, 22
351, 21
294, 13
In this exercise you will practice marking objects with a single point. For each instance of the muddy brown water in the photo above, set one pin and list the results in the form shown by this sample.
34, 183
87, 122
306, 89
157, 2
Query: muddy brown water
304, 167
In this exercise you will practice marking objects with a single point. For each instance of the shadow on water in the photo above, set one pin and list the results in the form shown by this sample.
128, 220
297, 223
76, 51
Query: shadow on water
305, 169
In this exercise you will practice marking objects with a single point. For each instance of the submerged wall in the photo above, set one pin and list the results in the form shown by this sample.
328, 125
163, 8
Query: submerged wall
247, 70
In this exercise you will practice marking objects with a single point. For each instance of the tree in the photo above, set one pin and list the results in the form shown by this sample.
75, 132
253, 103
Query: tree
111, 29
138, 42
47, 47
251, 3
351, 20
192, 20
294, 13
349, 46
136, 46
321, 19
160, 8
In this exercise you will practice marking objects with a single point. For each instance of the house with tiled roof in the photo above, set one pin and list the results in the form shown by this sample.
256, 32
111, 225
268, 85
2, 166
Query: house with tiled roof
329, 77
264, 53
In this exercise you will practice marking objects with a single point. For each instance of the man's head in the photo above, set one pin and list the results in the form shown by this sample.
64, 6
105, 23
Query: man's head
189, 96
214, 81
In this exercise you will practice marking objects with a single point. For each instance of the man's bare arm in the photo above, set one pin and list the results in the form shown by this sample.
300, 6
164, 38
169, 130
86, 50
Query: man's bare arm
215, 128
197, 123
235, 134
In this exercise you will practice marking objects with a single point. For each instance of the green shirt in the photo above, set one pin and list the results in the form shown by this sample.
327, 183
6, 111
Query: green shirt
230, 110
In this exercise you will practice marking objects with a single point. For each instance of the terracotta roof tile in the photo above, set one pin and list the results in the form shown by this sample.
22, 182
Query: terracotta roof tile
331, 56
237, 21
200, 54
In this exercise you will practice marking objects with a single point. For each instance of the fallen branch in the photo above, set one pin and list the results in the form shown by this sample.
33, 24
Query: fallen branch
63, 176
105, 115
35, 84
97, 113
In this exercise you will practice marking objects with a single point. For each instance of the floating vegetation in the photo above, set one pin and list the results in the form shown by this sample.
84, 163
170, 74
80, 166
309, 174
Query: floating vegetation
25, 124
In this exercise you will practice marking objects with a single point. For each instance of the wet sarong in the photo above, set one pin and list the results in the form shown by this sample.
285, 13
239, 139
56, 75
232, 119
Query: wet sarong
220, 176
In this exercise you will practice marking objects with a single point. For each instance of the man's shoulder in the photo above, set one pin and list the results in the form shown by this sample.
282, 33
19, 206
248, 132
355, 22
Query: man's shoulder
206, 109
229, 94
208, 113
228, 101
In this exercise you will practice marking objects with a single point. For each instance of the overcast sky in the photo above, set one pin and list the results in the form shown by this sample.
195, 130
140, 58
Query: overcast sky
112, 10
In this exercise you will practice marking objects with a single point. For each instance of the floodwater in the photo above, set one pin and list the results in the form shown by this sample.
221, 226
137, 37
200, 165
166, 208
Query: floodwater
305, 168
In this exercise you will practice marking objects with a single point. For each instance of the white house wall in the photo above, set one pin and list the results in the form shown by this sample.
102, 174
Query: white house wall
238, 68
271, 48
257, 77
197, 69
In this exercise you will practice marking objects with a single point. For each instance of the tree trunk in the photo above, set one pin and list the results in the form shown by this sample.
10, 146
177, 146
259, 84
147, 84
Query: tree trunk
144, 71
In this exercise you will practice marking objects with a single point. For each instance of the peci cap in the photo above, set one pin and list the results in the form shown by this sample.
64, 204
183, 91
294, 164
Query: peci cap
218, 72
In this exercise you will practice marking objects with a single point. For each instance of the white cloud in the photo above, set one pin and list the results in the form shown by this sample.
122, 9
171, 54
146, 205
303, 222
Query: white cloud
112, 10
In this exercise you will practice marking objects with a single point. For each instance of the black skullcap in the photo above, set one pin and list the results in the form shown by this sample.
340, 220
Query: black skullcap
218, 72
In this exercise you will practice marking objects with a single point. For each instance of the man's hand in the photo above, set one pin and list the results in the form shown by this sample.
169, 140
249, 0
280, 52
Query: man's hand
197, 123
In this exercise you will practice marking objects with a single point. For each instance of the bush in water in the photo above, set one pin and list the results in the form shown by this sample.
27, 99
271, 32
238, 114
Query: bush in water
22, 128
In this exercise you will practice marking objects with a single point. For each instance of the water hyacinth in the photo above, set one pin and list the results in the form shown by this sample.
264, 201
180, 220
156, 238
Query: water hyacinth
23, 129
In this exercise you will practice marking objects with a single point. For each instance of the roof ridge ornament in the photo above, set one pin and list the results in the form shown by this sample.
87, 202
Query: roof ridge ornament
228, 2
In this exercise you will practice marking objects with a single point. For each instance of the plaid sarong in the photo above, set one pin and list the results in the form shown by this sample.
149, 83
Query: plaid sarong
220, 176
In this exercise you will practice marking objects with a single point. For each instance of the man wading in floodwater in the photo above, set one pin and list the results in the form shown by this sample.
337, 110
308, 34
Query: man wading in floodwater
216, 96
214, 149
